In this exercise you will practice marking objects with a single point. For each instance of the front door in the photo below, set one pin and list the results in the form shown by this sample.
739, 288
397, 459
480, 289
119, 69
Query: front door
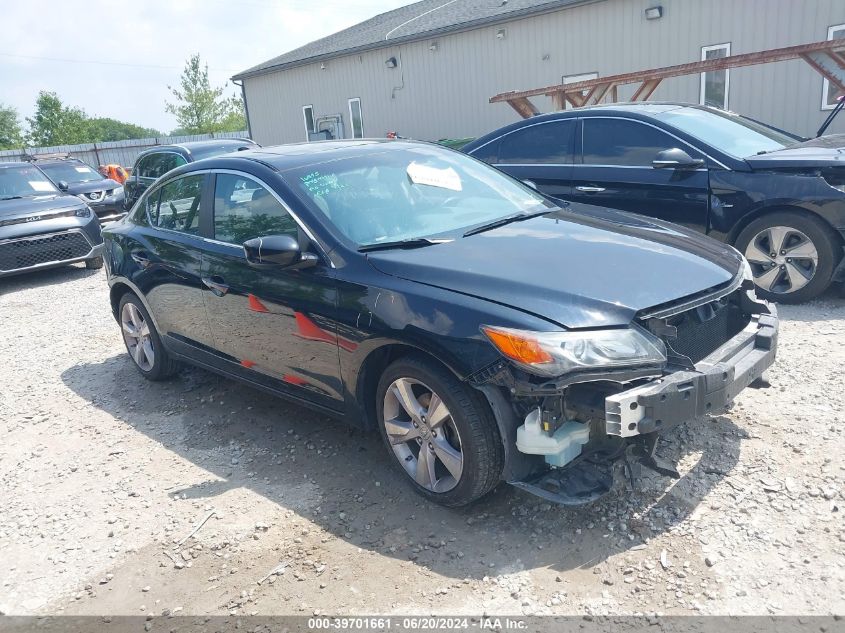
616, 171
277, 324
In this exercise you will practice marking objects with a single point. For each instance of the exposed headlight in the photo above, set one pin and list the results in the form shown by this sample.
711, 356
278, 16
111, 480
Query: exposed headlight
84, 212
557, 353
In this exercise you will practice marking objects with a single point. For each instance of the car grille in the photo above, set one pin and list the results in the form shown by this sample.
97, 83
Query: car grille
31, 251
700, 331
95, 196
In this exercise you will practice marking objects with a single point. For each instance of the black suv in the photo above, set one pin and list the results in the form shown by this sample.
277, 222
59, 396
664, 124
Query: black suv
154, 163
40, 227
778, 198
71, 175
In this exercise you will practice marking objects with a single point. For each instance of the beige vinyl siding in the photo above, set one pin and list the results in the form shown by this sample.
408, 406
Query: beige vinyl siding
446, 92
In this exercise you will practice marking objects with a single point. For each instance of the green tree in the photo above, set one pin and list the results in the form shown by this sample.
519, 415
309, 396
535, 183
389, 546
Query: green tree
201, 108
101, 129
11, 135
55, 123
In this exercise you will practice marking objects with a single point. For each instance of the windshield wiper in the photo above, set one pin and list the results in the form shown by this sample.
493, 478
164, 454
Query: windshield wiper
11, 198
516, 217
416, 242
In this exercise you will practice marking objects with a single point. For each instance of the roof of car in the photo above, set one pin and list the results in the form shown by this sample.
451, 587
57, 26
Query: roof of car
189, 146
283, 157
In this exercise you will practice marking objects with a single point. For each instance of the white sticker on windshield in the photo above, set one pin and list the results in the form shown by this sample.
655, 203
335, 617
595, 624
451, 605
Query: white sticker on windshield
40, 185
83, 170
444, 178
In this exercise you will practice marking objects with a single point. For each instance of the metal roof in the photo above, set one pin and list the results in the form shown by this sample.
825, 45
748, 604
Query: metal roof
413, 22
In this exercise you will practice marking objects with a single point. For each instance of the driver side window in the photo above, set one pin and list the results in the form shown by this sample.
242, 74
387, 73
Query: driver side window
244, 209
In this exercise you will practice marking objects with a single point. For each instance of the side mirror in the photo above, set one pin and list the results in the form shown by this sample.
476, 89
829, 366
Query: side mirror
277, 250
62, 185
676, 158
530, 183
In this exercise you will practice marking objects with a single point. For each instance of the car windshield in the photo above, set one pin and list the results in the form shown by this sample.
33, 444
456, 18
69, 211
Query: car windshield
411, 193
23, 181
72, 172
730, 133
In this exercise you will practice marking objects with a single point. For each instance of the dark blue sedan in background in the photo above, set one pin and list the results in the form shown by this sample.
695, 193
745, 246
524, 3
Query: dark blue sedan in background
778, 198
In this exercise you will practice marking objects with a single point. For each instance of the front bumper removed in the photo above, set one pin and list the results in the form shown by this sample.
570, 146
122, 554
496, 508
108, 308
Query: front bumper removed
658, 405
684, 395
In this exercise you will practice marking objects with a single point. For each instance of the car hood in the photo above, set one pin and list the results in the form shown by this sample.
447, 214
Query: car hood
826, 151
38, 205
94, 185
580, 267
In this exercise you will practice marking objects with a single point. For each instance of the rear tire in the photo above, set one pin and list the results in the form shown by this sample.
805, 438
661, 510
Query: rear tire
95, 263
143, 341
768, 242
460, 433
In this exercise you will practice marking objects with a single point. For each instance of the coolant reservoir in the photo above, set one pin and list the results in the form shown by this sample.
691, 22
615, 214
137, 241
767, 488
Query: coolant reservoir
560, 448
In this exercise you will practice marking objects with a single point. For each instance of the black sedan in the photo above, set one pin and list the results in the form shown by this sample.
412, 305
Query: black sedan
487, 333
778, 198
40, 227
73, 176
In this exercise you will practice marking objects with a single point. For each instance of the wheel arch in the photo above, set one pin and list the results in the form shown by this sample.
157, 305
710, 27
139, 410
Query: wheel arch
372, 368
121, 286
765, 210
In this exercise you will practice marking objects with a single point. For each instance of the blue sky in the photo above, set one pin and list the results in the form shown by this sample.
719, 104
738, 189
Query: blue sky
141, 47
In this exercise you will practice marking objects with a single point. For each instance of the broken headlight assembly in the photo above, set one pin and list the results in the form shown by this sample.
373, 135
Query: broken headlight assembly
551, 354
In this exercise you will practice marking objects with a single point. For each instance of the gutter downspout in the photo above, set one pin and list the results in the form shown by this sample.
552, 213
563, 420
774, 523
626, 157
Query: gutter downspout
246, 106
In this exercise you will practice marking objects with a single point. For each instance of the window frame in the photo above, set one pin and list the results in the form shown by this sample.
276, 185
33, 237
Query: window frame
688, 145
501, 139
352, 118
308, 132
703, 76
156, 192
825, 81
208, 233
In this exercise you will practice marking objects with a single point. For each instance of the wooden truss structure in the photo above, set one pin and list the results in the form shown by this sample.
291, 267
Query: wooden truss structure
827, 58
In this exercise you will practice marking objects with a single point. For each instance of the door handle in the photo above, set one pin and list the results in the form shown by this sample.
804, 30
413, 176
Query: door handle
216, 285
141, 258
590, 189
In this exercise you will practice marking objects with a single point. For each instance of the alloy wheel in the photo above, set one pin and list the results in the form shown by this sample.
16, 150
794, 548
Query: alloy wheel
136, 334
782, 258
423, 435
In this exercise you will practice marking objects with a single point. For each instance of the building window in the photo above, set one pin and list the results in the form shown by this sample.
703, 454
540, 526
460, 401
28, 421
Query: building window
308, 117
831, 94
715, 84
574, 79
355, 118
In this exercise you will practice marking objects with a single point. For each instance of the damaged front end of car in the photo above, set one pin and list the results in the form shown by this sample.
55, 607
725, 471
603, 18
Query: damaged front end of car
572, 404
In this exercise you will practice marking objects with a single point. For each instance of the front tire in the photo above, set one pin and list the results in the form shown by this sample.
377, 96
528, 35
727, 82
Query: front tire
792, 255
439, 432
143, 341
95, 263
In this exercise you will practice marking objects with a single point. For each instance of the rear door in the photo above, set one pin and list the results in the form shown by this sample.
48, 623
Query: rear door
615, 170
275, 325
166, 251
541, 153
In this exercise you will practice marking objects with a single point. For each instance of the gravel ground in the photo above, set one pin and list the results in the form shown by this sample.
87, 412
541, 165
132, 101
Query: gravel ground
105, 476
